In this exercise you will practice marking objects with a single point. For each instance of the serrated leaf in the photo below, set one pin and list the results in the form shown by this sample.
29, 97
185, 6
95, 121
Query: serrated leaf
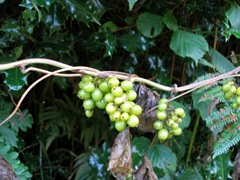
9, 135
163, 157
150, 25
134, 42
15, 79
86, 11
186, 44
131, 4
220, 61
22, 122
140, 145
170, 21
189, 175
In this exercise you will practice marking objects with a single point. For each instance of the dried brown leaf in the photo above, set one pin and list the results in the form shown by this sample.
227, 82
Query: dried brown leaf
6, 170
236, 170
120, 163
145, 171
147, 99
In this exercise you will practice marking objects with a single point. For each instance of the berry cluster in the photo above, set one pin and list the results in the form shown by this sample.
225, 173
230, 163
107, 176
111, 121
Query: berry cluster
168, 120
112, 95
230, 90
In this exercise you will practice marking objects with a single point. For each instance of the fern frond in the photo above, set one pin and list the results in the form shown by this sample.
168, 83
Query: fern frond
218, 119
211, 94
229, 138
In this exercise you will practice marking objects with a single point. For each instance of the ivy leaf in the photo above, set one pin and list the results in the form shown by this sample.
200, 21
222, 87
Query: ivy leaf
11, 27
140, 145
170, 21
186, 44
110, 44
221, 166
131, 4
41, 3
190, 174
86, 10
15, 79
150, 25
54, 18
163, 157
134, 42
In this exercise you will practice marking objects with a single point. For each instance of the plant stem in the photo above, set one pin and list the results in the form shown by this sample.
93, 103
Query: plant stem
192, 139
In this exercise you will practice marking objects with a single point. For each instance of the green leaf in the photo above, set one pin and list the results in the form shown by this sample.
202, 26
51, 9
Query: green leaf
133, 42
9, 135
221, 166
150, 25
220, 61
109, 26
54, 18
11, 27
189, 175
131, 4
15, 79
86, 10
110, 44
186, 121
22, 122
170, 21
186, 44
41, 3
233, 15
163, 157
140, 145
29, 14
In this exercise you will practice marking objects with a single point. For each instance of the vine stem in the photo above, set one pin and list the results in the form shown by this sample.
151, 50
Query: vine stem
31, 87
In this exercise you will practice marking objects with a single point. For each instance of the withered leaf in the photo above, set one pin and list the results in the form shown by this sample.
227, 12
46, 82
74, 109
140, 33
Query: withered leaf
147, 99
6, 170
236, 170
120, 163
145, 171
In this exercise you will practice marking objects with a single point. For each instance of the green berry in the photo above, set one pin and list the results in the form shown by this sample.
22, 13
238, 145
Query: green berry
158, 125
162, 106
117, 91
163, 100
233, 89
81, 84
238, 91
103, 86
179, 112
83, 94
132, 95
136, 110
237, 100
175, 125
235, 105
118, 100
226, 87
126, 85
101, 104
133, 121
88, 104
161, 115
112, 82
116, 115
126, 106
109, 97
163, 134
111, 108
89, 113
177, 131
120, 125
228, 95
89, 87
124, 116
97, 94
87, 78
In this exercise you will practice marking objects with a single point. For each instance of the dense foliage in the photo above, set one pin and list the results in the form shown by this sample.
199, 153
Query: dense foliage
168, 42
